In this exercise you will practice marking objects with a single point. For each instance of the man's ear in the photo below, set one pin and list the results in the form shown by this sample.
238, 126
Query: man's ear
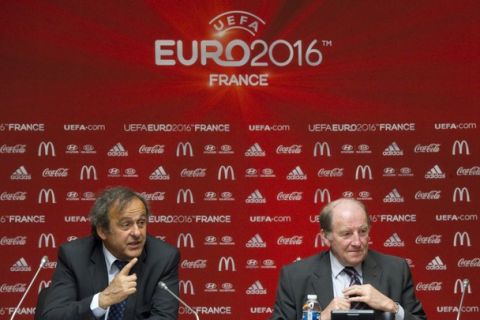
102, 233
325, 237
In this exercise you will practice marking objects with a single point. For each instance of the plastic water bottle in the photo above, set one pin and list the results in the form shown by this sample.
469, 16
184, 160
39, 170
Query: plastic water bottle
311, 308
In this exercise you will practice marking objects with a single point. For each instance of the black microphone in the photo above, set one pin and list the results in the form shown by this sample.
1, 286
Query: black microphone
164, 286
43, 261
464, 288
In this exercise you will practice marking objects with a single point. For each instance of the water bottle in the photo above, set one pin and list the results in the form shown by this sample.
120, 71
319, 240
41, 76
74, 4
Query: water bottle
311, 308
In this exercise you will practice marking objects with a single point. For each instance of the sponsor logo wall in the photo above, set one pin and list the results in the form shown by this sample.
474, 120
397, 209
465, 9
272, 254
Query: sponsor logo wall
232, 149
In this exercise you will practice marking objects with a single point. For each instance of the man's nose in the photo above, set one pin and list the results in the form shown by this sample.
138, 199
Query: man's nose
135, 231
356, 239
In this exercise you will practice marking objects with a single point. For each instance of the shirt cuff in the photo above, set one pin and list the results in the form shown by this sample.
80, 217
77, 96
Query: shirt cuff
400, 315
95, 307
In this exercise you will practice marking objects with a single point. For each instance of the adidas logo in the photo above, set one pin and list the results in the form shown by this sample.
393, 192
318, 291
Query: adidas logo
393, 150
394, 241
256, 242
255, 151
436, 264
435, 173
159, 174
255, 197
256, 288
21, 266
20, 174
117, 151
297, 174
393, 196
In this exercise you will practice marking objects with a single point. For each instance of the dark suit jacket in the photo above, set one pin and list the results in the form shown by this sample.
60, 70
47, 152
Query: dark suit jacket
81, 273
388, 274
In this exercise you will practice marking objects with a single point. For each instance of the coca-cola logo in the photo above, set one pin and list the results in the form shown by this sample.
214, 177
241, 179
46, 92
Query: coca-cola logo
293, 149
156, 196
432, 286
194, 264
18, 148
290, 241
156, 149
15, 241
55, 173
13, 196
469, 263
293, 196
18, 287
473, 171
194, 173
330, 173
429, 195
432, 239
429, 148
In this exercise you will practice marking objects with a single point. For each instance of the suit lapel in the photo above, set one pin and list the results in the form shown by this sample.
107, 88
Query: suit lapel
321, 280
132, 299
98, 270
371, 272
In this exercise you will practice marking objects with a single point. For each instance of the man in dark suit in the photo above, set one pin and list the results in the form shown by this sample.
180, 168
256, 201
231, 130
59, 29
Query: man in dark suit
349, 275
113, 273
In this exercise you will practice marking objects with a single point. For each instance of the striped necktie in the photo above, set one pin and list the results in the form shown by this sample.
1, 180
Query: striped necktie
355, 280
117, 311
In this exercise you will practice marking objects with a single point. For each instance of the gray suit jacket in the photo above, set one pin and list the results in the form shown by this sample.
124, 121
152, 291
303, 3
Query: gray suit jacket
81, 272
388, 274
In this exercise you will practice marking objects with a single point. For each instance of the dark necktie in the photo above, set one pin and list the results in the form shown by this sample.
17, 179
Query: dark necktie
117, 310
355, 280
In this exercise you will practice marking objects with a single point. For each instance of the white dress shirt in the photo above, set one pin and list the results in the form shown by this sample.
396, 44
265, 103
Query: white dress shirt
112, 271
341, 280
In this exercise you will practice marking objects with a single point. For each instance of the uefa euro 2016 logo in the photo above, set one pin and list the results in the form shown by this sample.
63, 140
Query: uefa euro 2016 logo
233, 47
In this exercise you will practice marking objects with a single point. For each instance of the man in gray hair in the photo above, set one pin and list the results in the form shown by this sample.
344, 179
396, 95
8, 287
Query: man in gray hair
348, 275
113, 273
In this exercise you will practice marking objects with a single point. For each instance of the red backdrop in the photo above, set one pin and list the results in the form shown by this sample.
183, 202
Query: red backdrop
373, 100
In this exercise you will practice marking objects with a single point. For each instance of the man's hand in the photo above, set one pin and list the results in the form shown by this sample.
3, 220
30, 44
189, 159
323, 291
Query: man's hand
120, 288
371, 296
339, 303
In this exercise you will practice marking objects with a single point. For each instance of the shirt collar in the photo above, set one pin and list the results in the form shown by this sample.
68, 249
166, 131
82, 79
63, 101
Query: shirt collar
109, 258
337, 267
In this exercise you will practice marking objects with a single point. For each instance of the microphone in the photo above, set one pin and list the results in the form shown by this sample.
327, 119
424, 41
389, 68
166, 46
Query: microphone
164, 286
43, 261
464, 288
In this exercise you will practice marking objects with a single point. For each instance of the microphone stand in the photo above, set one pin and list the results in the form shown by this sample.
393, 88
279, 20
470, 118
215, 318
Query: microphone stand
464, 288
164, 286
42, 264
